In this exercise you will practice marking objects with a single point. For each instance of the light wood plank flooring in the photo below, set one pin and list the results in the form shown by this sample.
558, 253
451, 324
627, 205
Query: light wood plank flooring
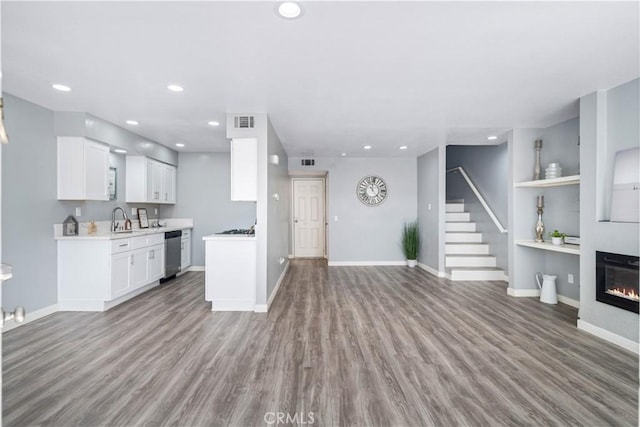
356, 346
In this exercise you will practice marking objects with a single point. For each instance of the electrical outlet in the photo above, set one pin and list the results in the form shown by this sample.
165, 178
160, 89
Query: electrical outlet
78, 211
134, 211
429, 206
335, 218
570, 278
155, 211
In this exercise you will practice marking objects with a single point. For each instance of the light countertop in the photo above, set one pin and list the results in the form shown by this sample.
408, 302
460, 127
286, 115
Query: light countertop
220, 237
104, 233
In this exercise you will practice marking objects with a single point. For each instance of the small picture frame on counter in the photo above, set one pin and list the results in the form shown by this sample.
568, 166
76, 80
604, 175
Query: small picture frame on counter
70, 226
143, 218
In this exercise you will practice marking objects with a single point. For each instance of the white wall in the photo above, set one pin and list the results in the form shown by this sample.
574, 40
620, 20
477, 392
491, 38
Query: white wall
429, 179
366, 234
622, 238
204, 194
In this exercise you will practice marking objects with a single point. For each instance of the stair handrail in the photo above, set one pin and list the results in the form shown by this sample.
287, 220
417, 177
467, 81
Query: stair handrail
480, 198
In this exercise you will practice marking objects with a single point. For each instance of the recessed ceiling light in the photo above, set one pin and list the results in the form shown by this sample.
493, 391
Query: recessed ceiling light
179, 144
289, 10
60, 87
132, 122
120, 150
403, 147
175, 88
492, 138
367, 147
212, 123
344, 154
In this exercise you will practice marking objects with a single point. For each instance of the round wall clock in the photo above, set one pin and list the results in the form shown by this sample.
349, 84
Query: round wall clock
372, 190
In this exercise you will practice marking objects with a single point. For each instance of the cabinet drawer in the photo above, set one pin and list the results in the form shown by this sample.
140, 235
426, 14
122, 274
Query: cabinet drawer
148, 240
120, 245
186, 234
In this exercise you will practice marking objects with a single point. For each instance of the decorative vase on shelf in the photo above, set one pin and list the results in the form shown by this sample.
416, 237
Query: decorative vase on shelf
537, 167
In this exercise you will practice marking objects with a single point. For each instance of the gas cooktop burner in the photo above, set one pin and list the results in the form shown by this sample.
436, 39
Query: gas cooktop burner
248, 231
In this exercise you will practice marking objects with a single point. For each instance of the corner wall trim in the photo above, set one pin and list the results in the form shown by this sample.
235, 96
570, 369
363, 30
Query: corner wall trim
432, 270
599, 332
364, 263
30, 317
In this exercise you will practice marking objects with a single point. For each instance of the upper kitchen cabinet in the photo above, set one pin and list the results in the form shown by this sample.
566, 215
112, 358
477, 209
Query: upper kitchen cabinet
83, 168
244, 169
150, 181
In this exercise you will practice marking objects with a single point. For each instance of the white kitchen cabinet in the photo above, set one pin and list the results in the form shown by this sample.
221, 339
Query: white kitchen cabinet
95, 275
83, 167
185, 252
150, 181
244, 169
155, 256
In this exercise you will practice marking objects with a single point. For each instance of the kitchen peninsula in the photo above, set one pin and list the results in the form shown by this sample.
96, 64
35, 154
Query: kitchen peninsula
230, 271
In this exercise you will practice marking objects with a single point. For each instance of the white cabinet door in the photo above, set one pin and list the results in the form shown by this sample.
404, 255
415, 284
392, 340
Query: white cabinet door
155, 255
139, 268
154, 181
185, 253
96, 165
168, 184
120, 274
244, 169
82, 169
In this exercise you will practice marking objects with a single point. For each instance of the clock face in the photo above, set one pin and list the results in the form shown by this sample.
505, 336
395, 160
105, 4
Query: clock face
371, 190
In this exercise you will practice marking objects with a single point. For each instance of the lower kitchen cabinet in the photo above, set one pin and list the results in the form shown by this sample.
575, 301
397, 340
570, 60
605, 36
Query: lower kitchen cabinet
185, 250
95, 275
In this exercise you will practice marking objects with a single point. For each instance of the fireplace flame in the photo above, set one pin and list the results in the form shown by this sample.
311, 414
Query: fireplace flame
624, 293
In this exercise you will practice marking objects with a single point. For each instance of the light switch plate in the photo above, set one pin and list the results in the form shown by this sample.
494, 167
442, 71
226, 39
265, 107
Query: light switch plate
134, 211
570, 278
78, 211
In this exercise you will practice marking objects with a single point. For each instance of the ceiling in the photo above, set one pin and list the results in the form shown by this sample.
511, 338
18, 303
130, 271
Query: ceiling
344, 75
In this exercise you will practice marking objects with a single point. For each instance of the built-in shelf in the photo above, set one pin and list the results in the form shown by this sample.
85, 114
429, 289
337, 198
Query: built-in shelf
548, 246
554, 182
6, 272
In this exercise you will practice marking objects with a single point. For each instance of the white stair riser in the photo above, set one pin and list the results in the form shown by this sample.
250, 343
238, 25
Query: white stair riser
470, 261
463, 238
457, 216
460, 226
477, 275
466, 249
454, 207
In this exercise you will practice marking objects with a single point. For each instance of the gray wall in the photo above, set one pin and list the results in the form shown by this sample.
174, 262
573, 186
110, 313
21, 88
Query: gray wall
204, 194
487, 166
278, 211
363, 233
428, 194
624, 111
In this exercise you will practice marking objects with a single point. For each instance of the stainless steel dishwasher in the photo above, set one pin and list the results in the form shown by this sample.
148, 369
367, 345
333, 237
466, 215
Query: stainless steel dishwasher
172, 253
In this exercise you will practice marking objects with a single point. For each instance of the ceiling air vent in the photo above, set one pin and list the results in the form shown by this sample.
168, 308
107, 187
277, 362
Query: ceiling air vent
244, 122
308, 162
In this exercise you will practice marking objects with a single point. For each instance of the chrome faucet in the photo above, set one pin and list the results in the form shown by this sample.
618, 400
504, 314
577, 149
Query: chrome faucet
114, 224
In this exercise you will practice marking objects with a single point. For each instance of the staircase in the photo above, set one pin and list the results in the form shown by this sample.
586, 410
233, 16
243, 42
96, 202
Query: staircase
466, 256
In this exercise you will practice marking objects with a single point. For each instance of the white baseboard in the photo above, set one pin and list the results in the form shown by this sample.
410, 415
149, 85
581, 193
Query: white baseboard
233, 305
260, 308
364, 263
277, 288
623, 342
569, 301
196, 268
98, 305
30, 317
432, 270
526, 293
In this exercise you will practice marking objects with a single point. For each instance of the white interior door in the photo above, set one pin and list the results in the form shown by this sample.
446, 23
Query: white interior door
308, 217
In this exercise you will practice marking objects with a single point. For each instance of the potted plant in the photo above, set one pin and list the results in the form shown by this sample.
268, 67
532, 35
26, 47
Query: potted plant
411, 242
557, 238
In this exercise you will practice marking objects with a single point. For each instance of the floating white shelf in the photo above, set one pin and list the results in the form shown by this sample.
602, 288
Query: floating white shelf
554, 182
547, 246
6, 272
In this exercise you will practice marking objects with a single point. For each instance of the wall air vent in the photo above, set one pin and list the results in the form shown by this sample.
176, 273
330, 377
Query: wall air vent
244, 122
308, 162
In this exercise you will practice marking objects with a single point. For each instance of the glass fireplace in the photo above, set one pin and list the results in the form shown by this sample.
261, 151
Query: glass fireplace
617, 280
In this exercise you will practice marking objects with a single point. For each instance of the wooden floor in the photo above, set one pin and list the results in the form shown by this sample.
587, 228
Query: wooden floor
365, 346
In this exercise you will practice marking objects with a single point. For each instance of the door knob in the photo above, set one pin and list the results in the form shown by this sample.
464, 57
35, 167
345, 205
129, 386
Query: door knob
17, 315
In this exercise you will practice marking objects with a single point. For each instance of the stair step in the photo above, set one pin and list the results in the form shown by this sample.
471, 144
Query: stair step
460, 226
457, 237
457, 216
477, 273
454, 207
470, 261
466, 249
